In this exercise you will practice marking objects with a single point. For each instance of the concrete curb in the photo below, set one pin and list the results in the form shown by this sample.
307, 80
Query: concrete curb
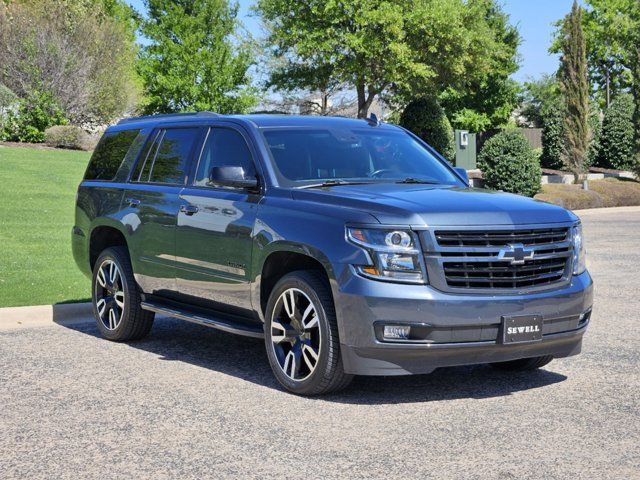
45, 315
587, 211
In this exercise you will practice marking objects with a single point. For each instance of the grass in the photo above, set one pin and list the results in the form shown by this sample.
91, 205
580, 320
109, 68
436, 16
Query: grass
37, 188
610, 192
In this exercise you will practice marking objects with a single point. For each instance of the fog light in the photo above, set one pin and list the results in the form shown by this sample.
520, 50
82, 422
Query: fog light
396, 332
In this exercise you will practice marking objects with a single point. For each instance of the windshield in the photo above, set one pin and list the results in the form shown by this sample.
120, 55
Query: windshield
305, 156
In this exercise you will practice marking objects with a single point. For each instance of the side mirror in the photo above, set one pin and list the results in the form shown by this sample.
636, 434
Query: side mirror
463, 173
228, 176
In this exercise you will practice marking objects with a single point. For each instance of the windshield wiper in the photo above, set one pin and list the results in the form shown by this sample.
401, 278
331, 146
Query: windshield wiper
418, 180
333, 183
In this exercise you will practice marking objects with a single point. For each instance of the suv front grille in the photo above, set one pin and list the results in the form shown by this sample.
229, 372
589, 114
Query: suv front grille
464, 260
499, 275
501, 238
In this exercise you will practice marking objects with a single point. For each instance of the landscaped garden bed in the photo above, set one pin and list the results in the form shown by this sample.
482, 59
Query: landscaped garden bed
610, 192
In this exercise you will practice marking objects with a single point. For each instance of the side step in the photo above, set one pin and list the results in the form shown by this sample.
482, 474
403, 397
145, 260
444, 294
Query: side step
230, 326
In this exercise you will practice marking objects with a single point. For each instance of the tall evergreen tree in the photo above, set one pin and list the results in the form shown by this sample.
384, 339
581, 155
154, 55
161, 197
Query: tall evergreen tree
195, 60
575, 86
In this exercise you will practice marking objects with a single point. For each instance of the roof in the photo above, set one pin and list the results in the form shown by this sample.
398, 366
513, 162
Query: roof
259, 120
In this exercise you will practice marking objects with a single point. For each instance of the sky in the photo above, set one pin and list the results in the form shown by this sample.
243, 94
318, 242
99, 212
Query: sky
534, 19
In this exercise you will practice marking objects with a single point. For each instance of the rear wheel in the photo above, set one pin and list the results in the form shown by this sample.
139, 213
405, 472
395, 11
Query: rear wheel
116, 298
523, 364
301, 335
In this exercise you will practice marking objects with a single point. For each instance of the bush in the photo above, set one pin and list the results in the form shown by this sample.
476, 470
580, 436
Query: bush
509, 163
552, 137
425, 117
615, 141
7, 98
66, 136
34, 115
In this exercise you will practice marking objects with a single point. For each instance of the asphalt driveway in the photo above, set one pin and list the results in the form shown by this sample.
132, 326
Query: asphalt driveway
190, 402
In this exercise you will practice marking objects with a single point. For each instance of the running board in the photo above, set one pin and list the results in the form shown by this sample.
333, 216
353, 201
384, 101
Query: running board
246, 330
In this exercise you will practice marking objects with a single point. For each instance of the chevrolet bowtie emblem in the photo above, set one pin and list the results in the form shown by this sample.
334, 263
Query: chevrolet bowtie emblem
516, 253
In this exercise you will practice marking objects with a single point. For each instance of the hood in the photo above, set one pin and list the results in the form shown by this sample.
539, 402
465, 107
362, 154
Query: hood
437, 205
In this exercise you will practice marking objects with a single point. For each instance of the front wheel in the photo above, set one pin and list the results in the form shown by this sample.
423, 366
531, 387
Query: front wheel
116, 299
301, 335
523, 364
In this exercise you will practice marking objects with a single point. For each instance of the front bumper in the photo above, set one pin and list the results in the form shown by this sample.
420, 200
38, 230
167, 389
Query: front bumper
461, 329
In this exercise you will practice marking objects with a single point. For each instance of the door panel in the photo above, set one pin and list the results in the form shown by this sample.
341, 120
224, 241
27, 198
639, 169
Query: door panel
215, 225
151, 224
151, 207
213, 247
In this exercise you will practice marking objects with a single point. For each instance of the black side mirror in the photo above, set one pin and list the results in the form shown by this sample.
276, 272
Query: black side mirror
463, 173
228, 176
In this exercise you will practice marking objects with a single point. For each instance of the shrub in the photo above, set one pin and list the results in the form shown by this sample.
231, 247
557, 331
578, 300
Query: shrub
7, 98
615, 141
84, 52
66, 136
509, 163
552, 136
425, 117
33, 116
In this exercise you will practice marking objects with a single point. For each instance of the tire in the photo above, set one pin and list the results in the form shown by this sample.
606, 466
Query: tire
523, 364
304, 351
116, 298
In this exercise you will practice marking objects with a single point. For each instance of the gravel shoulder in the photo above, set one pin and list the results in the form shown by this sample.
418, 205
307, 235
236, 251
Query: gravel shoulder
191, 402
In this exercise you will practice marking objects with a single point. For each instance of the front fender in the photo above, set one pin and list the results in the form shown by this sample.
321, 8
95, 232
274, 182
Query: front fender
317, 231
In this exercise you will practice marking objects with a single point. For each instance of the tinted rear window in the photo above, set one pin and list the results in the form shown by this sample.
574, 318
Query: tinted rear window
172, 156
109, 154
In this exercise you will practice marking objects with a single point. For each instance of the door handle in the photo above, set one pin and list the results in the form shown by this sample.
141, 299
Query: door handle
133, 202
188, 209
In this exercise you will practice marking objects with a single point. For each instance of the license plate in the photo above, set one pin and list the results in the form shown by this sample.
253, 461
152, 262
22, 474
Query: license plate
522, 328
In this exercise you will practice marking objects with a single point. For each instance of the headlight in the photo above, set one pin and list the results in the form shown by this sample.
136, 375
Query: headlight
395, 254
579, 252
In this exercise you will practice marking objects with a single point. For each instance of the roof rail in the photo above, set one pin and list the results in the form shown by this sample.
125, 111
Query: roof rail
162, 116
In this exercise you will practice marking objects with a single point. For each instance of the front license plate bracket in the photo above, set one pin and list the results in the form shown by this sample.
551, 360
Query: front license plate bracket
522, 328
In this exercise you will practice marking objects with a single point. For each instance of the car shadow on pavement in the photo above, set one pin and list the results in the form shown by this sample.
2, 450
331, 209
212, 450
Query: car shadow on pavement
245, 358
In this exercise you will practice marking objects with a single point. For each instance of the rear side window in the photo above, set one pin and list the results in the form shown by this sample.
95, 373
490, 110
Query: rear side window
168, 157
109, 154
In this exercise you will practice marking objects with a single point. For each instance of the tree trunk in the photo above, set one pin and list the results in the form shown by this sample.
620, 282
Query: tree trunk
608, 80
363, 108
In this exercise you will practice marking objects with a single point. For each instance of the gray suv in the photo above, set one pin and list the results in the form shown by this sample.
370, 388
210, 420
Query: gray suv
350, 246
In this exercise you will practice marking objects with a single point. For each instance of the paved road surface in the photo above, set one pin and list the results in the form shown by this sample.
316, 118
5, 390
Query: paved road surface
190, 402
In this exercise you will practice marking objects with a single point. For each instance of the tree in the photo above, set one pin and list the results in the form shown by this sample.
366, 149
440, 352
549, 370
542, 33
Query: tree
575, 87
405, 47
537, 96
615, 142
485, 100
73, 51
195, 59
425, 117
611, 30
553, 135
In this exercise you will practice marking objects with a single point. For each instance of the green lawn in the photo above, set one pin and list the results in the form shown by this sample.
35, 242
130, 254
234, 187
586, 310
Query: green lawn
37, 195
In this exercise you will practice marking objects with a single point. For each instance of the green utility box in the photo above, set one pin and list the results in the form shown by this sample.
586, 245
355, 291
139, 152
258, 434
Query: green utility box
465, 149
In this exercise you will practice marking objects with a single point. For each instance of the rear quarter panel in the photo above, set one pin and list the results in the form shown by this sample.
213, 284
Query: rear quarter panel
97, 204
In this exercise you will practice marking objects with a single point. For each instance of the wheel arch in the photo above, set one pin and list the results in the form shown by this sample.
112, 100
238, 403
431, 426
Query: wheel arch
284, 258
103, 236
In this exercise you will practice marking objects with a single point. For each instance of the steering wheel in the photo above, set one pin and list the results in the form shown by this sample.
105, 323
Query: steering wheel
379, 172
